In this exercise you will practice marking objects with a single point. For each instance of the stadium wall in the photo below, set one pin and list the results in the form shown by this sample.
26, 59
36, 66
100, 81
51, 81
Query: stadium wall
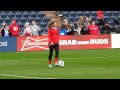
40, 43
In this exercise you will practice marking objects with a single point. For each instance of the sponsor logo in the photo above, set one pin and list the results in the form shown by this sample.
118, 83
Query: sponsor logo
3, 43
30, 43
91, 41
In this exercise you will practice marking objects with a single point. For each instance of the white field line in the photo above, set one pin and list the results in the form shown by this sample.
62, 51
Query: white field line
25, 77
63, 58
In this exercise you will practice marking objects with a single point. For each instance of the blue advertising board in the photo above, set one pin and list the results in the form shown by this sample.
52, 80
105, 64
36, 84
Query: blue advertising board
8, 44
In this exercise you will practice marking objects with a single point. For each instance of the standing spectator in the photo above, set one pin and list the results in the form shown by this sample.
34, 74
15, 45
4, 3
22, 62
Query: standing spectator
35, 29
80, 22
27, 31
105, 28
5, 30
100, 17
69, 27
14, 28
93, 29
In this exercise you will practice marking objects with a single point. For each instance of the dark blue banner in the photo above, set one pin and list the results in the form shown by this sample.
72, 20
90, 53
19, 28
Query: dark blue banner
8, 44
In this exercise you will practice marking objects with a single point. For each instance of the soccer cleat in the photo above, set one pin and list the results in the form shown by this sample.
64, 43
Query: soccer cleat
50, 65
56, 64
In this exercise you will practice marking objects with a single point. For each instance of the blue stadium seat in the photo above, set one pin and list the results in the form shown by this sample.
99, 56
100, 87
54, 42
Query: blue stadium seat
30, 19
112, 22
77, 18
106, 18
113, 17
108, 13
18, 14
65, 13
80, 13
33, 14
40, 14
26, 14
93, 13
20, 24
16, 18
71, 19
38, 19
73, 13
23, 19
118, 17
93, 18
116, 13
11, 15
1, 20
43, 24
7, 19
45, 19
87, 13
3, 14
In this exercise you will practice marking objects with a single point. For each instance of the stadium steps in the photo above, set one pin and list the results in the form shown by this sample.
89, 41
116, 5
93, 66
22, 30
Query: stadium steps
53, 16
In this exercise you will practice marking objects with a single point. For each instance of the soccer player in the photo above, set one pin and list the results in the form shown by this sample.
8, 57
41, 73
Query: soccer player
53, 36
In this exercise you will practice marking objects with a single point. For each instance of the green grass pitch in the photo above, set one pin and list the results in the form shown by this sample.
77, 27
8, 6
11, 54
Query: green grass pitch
81, 64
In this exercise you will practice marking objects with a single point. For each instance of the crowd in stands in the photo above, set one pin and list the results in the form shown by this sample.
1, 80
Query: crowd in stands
14, 29
87, 26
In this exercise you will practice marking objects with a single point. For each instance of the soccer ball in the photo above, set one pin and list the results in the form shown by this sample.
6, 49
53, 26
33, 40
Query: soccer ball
61, 63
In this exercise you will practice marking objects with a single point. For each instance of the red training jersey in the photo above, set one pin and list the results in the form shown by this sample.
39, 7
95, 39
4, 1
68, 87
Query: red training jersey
100, 14
93, 30
53, 35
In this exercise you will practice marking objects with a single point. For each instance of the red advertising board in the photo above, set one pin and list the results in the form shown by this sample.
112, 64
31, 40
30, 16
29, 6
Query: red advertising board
66, 42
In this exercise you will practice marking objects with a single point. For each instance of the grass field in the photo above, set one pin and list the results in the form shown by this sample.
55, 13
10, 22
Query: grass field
82, 64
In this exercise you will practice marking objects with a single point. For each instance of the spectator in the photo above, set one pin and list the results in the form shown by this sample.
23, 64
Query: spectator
117, 26
84, 30
5, 30
35, 29
80, 22
93, 29
14, 28
27, 31
69, 27
105, 28
100, 17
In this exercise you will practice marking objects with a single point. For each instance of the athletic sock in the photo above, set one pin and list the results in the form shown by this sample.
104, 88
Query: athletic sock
50, 61
56, 60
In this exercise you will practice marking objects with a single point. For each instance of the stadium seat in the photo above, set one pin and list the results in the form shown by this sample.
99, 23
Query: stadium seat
30, 19
3, 14
20, 24
73, 13
45, 19
113, 17
33, 14
18, 14
93, 13
38, 19
71, 19
1, 20
16, 18
40, 14
80, 13
87, 13
26, 14
65, 13
11, 15
108, 13
23, 19
106, 18
93, 18
7, 19
116, 13
118, 17
43, 24
77, 18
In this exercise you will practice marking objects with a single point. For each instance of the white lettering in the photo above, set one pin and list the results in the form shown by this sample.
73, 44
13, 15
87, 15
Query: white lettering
3, 43
98, 41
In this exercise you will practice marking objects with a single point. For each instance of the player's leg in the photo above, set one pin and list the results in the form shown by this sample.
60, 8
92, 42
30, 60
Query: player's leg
56, 53
50, 55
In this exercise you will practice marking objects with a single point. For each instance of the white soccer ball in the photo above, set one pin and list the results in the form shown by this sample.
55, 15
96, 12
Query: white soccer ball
61, 63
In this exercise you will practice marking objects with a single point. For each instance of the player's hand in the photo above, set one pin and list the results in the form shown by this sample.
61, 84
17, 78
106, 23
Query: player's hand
52, 43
